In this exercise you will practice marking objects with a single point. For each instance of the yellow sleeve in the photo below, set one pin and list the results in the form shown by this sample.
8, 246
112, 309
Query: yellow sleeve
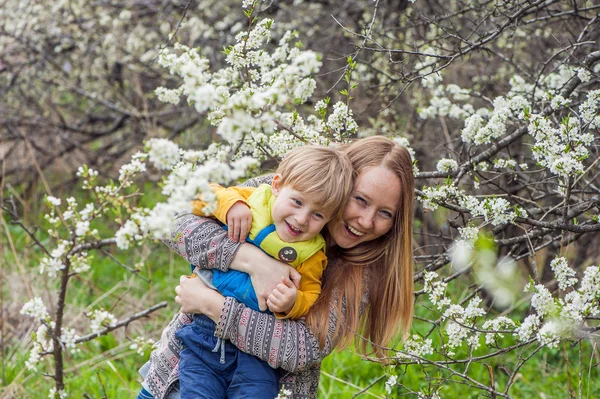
310, 286
226, 197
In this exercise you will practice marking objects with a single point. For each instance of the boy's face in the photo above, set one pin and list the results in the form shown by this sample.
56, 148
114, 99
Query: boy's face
297, 217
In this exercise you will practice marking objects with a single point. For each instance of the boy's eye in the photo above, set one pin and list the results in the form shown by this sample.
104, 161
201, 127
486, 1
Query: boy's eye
297, 202
318, 215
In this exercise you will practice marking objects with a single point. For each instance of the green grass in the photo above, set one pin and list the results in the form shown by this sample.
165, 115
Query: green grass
107, 367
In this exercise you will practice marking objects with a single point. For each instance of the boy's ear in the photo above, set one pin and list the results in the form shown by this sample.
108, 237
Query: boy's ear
276, 184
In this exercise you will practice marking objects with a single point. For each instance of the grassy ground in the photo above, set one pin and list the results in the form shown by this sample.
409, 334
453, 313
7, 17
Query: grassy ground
107, 367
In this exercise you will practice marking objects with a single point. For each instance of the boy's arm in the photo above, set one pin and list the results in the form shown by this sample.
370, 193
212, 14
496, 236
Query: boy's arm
310, 286
226, 198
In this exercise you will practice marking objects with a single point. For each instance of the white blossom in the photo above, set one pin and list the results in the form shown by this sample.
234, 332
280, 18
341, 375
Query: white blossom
550, 334
162, 153
284, 393
416, 346
584, 75
54, 394
53, 200
390, 383
80, 263
564, 274
528, 327
51, 266
590, 290
457, 334
141, 344
469, 234
35, 308
41, 342
542, 301
131, 169
68, 338
504, 163
127, 233
446, 165
473, 310
99, 319
495, 325
559, 102
60, 249
167, 95
82, 227
341, 119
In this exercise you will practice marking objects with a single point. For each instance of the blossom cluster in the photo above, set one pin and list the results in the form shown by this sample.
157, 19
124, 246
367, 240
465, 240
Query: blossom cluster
554, 318
416, 346
141, 344
41, 342
100, 318
561, 149
494, 210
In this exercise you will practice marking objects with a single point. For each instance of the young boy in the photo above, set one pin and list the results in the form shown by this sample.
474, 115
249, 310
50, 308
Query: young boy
284, 219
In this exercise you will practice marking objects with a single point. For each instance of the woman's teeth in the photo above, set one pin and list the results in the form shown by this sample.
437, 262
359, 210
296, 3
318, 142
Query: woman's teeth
354, 231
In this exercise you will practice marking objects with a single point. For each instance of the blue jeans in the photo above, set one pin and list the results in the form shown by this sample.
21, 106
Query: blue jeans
211, 368
144, 394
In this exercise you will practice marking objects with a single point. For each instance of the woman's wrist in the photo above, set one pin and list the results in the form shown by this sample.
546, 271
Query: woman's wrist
245, 259
213, 306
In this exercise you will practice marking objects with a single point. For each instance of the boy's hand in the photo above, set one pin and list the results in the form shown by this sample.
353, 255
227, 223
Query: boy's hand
283, 297
239, 221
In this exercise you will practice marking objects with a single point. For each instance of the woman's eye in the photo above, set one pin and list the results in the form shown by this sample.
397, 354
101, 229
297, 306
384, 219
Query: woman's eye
387, 214
360, 200
297, 202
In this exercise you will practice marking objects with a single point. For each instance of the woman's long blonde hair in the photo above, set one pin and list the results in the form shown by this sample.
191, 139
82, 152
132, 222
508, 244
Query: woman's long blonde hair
388, 259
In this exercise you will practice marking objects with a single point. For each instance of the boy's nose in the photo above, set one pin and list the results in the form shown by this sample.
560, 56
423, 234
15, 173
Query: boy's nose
302, 218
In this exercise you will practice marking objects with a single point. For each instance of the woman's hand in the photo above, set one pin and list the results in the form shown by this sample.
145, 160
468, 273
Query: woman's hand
265, 272
266, 276
196, 297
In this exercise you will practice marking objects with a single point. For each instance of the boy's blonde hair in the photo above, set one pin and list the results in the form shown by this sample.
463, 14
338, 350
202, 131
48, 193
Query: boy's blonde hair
321, 171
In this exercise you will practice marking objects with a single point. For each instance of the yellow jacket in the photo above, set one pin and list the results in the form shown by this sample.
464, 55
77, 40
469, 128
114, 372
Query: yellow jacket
310, 260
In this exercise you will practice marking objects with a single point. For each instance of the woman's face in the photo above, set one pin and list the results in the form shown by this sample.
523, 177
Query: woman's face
371, 208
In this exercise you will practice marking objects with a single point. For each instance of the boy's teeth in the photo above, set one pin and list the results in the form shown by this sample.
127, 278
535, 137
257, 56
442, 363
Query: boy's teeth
354, 231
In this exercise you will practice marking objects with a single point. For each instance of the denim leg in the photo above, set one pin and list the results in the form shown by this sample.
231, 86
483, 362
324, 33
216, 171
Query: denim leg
253, 378
201, 374
144, 394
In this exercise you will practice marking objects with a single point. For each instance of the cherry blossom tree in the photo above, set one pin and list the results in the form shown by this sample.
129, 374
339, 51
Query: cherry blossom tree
505, 95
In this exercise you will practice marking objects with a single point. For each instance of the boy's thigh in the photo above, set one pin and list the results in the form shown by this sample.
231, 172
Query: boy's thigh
198, 379
253, 378
201, 374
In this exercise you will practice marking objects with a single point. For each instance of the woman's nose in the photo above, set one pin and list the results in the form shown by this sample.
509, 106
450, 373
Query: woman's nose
366, 220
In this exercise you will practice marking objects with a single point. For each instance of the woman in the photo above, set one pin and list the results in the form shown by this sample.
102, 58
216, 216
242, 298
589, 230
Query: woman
367, 286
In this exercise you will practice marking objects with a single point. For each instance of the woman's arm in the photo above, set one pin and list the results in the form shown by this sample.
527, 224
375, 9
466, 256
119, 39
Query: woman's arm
203, 243
287, 344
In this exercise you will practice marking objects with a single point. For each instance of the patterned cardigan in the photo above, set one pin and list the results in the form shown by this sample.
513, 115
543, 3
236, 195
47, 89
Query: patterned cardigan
285, 344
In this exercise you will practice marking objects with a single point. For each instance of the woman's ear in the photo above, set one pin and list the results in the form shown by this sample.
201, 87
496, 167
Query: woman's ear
276, 184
